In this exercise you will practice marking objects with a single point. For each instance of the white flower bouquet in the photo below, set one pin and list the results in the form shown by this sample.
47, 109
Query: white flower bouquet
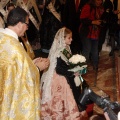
77, 63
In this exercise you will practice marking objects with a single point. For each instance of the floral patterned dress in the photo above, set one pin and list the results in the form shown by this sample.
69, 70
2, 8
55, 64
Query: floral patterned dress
64, 102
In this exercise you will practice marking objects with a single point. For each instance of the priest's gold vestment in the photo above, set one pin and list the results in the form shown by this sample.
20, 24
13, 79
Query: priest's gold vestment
19, 82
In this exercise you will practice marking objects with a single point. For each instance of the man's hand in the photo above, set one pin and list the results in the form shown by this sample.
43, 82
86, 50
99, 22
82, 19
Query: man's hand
42, 63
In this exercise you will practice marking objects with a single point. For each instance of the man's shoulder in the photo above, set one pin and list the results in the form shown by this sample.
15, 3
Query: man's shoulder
10, 42
1, 30
2, 35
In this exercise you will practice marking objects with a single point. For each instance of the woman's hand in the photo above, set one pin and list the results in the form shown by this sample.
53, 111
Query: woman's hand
96, 22
77, 74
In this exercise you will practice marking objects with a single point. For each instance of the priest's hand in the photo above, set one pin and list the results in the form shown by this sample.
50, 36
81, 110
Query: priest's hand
42, 63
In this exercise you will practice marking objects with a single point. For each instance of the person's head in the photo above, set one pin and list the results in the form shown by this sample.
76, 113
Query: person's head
62, 39
10, 6
18, 20
96, 3
68, 36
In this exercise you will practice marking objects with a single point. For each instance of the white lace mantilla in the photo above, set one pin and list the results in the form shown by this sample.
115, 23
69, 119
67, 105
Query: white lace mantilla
55, 51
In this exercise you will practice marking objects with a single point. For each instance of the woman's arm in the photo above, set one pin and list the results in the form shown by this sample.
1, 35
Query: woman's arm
62, 68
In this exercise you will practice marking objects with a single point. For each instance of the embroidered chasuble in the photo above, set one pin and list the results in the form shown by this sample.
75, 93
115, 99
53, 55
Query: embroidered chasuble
29, 49
19, 82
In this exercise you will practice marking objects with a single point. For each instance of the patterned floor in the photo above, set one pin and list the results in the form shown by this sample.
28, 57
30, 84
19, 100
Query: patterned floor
105, 80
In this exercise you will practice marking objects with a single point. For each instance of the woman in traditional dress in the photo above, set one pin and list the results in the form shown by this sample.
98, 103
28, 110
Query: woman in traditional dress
51, 23
60, 96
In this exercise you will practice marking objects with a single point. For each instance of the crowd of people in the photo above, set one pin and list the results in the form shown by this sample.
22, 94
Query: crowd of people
34, 88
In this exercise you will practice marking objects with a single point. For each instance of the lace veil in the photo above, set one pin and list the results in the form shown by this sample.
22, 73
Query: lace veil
57, 46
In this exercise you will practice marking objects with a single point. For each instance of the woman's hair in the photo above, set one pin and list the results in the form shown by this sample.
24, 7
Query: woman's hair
10, 5
92, 3
67, 31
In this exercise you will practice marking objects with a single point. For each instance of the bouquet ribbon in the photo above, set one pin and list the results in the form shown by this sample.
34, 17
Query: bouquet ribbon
83, 71
78, 79
79, 67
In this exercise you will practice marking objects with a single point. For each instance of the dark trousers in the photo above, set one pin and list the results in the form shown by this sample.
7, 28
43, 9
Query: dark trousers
102, 36
90, 49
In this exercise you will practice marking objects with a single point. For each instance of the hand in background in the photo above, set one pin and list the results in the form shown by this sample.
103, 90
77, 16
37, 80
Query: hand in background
106, 116
116, 11
119, 116
41, 63
96, 22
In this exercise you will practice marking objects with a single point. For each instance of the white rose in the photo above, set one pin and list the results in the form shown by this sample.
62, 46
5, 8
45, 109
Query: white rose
77, 58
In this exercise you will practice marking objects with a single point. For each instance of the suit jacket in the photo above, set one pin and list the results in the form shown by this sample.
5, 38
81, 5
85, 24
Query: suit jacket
69, 17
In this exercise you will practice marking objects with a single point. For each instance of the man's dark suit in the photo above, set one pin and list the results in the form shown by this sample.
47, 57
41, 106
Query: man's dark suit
70, 19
